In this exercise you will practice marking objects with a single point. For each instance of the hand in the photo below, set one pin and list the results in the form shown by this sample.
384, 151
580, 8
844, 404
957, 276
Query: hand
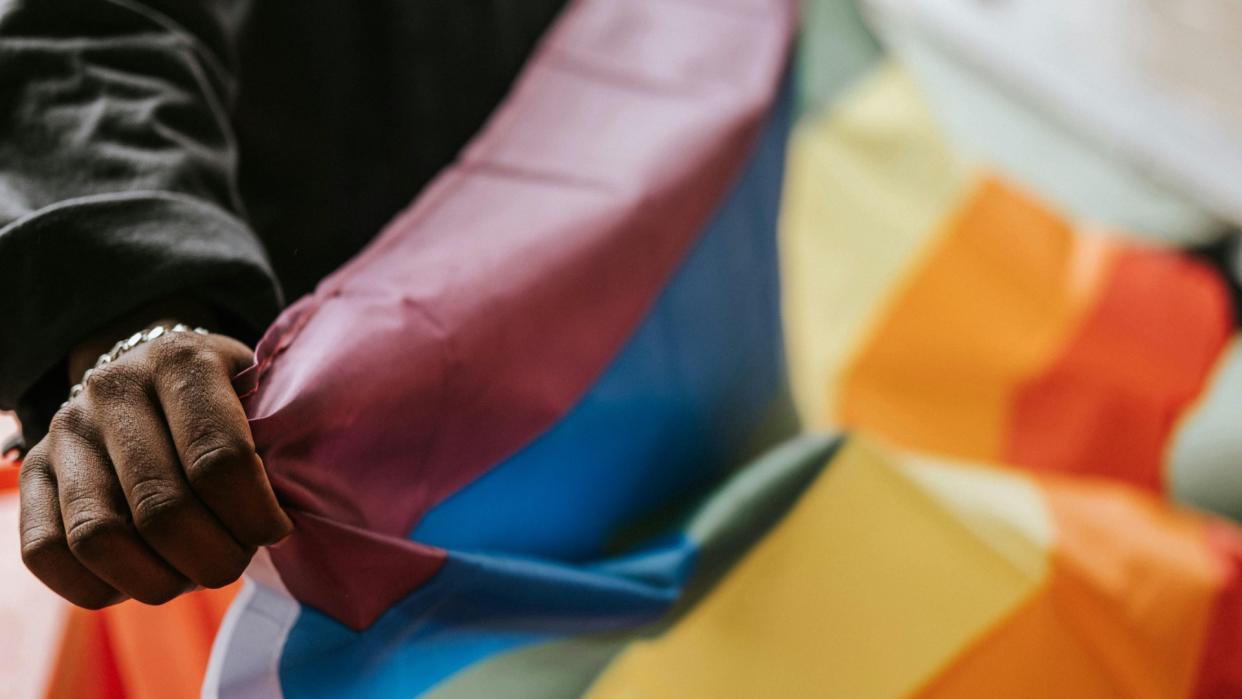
147, 482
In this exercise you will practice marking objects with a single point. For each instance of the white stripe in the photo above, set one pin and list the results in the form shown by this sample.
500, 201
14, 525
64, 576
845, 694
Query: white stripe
245, 660
1205, 456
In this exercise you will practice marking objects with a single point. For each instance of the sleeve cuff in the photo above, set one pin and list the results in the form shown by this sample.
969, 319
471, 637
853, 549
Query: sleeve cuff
76, 265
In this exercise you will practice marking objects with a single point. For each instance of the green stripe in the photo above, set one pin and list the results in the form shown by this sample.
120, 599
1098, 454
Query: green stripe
724, 527
836, 48
563, 668
747, 507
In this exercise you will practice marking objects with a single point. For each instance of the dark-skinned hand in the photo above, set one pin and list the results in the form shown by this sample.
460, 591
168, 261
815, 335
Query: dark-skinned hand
148, 483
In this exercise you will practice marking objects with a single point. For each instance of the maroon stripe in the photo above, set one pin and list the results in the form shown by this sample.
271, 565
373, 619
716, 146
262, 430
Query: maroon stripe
487, 309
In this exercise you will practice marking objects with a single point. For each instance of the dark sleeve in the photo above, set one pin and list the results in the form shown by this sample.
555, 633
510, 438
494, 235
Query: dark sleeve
117, 179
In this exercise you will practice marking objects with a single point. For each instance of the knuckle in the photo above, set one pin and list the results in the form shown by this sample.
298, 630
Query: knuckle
155, 502
178, 351
116, 380
88, 534
210, 459
36, 464
73, 419
233, 348
41, 546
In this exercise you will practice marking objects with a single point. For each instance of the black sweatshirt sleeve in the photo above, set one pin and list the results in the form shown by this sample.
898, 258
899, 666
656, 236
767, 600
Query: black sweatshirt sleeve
117, 180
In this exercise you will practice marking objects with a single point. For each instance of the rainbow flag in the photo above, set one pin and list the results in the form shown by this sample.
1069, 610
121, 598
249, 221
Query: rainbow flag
510, 432
542, 438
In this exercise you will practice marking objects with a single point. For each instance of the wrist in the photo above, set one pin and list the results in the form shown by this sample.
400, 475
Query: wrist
84, 355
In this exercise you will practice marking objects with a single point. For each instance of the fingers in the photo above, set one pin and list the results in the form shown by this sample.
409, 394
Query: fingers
96, 519
148, 480
167, 515
45, 549
212, 438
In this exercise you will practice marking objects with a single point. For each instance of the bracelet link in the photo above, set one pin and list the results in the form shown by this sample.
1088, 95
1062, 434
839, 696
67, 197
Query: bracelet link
123, 346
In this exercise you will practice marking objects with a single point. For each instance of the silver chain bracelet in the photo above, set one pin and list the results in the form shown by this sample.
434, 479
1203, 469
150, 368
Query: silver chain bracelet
129, 343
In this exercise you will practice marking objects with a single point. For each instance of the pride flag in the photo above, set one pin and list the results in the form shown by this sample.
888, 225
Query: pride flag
539, 439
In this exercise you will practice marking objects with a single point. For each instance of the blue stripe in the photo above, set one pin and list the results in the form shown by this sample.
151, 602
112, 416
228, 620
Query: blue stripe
475, 607
669, 415
662, 425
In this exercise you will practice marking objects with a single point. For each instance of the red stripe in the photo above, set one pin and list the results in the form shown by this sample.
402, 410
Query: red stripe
363, 572
8, 476
1109, 404
1220, 667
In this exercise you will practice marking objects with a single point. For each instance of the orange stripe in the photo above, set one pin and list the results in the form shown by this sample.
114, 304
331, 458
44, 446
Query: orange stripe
1136, 581
1220, 667
1108, 405
1123, 613
991, 306
149, 652
87, 667
1029, 655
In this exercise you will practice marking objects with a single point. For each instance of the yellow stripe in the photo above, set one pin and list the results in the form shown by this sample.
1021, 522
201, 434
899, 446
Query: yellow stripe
874, 581
866, 184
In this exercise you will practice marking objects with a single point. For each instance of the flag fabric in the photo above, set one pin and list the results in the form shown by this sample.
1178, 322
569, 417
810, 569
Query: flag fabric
902, 575
966, 317
479, 423
539, 439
